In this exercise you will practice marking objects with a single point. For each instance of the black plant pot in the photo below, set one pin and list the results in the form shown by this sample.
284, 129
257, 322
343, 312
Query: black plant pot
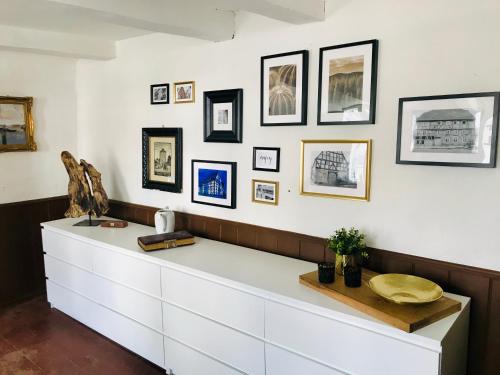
326, 272
352, 276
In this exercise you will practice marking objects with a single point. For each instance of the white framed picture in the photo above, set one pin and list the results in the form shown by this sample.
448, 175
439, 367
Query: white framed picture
266, 192
213, 183
266, 159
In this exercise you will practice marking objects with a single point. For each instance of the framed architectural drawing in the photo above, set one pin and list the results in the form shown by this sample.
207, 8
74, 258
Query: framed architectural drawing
160, 93
184, 92
283, 89
266, 192
213, 183
347, 88
223, 116
451, 130
162, 159
16, 124
336, 168
266, 159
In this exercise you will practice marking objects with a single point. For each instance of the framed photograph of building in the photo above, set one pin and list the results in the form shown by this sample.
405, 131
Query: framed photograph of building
266, 192
16, 124
283, 89
449, 130
336, 168
347, 89
266, 159
223, 116
184, 92
213, 183
162, 159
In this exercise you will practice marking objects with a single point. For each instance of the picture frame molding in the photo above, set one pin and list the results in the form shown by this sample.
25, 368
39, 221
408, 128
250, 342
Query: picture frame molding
233, 182
276, 189
27, 102
233, 96
254, 160
193, 95
152, 87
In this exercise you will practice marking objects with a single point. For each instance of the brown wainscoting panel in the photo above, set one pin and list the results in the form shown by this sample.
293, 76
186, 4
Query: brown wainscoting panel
483, 286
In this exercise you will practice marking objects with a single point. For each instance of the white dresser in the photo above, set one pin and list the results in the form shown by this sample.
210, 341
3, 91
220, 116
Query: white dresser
216, 309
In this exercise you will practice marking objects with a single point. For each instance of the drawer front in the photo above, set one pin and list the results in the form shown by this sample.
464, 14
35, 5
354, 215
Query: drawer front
279, 362
342, 346
226, 305
133, 336
129, 271
68, 249
70, 276
183, 360
227, 345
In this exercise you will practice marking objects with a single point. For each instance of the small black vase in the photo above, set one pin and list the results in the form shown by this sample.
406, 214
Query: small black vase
352, 276
326, 272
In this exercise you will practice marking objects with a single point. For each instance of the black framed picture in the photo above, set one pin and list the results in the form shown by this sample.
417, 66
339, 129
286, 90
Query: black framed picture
160, 93
223, 116
162, 159
266, 159
213, 183
449, 130
347, 85
283, 88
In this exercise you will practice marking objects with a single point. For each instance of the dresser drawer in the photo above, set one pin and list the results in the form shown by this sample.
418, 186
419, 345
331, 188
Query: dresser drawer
342, 345
227, 345
68, 249
226, 305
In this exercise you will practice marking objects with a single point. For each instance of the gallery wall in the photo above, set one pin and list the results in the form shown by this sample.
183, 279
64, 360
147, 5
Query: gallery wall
51, 82
426, 48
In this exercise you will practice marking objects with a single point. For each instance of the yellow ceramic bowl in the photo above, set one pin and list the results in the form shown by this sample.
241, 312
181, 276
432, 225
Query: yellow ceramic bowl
401, 288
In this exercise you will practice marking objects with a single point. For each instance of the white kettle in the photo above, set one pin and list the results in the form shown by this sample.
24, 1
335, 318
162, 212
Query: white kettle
164, 220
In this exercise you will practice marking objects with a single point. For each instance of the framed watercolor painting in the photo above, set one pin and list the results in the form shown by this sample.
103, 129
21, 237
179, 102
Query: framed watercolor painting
266, 192
347, 86
213, 183
160, 93
223, 116
449, 130
17, 127
184, 92
336, 168
266, 159
162, 159
283, 89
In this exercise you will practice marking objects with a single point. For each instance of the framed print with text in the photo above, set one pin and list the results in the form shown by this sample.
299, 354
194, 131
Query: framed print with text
266, 159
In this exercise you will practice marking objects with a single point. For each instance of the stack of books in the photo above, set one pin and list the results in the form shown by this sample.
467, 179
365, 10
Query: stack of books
165, 240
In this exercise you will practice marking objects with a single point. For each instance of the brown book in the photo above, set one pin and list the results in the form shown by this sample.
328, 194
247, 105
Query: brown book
165, 240
114, 224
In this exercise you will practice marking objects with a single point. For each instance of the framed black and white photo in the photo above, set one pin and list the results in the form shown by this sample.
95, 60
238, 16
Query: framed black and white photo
160, 94
347, 88
266, 192
266, 159
449, 130
162, 159
336, 168
283, 89
223, 116
213, 183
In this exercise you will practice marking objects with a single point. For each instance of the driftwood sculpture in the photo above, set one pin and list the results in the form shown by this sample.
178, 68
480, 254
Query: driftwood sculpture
101, 205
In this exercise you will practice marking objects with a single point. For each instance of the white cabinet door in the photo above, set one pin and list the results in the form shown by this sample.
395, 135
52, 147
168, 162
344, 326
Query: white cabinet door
223, 304
68, 249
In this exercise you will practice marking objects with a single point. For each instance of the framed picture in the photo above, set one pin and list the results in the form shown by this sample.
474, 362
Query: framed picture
336, 168
213, 183
160, 93
162, 159
266, 159
266, 192
184, 92
453, 130
16, 124
347, 89
283, 89
223, 116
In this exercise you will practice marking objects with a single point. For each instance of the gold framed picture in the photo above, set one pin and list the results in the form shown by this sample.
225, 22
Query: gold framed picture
266, 192
336, 168
184, 92
16, 124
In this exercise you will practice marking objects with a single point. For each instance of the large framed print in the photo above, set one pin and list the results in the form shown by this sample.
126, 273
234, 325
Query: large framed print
283, 89
162, 159
213, 183
449, 130
347, 85
223, 116
336, 168
17, 127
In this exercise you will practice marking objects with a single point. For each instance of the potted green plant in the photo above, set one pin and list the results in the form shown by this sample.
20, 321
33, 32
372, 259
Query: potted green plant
350, 249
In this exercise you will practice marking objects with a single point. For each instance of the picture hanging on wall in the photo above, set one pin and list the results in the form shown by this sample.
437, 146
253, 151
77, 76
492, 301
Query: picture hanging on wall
213, 183
283, 89
449, 130
184, 92
162, 159
266, 192
16, 124
336, 168
160, 93
223, 116
347, 88
266, 159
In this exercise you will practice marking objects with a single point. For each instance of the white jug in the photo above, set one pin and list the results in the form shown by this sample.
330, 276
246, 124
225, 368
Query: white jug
164, 221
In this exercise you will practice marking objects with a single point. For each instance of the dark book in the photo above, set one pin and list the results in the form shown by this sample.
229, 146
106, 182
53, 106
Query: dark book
165, 240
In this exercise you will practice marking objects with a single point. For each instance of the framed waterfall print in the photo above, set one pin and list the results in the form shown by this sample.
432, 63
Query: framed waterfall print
16, 124
449, 130
223, 116
283, 89
347, 87
213, 183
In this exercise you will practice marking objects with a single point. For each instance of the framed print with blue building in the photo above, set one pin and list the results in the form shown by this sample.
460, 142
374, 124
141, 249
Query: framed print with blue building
213, 183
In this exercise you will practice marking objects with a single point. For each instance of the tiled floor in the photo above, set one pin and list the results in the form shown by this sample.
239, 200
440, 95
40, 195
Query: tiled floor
35, 339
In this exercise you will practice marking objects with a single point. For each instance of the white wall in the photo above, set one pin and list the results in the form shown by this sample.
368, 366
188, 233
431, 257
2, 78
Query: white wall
426, 48
51, 83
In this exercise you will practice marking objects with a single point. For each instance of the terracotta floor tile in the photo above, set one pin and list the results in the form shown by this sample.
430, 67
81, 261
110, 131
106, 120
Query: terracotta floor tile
15, 363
